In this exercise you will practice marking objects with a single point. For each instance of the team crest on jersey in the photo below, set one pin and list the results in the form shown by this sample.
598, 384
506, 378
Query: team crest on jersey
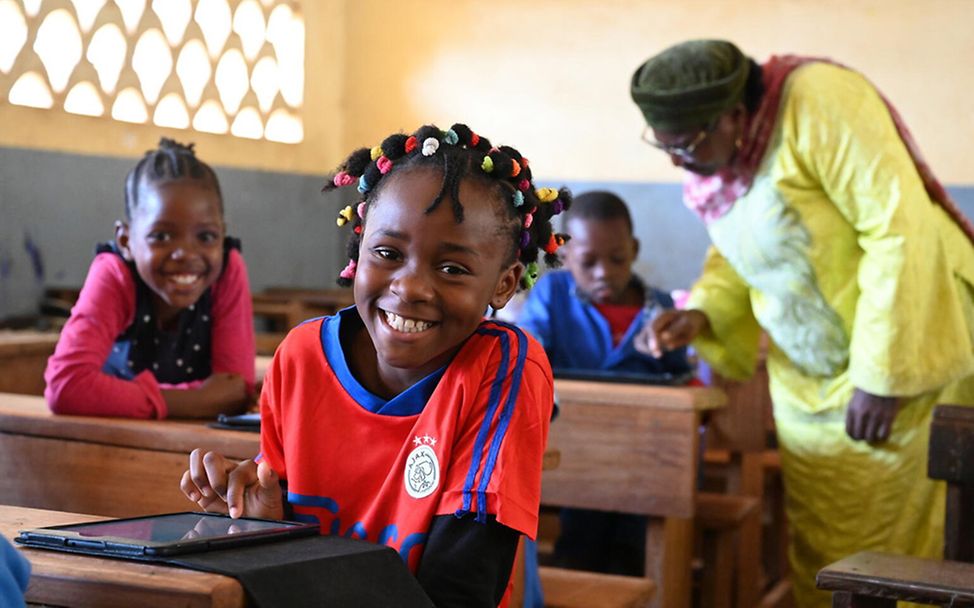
422, 475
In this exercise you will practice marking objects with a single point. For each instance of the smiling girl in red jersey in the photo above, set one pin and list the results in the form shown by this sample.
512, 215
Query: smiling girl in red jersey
409, 419
163, 325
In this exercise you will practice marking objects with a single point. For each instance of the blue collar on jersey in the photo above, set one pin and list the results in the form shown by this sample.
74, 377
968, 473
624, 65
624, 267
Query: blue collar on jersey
407, 403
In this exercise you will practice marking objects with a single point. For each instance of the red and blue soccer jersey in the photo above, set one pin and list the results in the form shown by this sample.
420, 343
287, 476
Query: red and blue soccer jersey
466, 439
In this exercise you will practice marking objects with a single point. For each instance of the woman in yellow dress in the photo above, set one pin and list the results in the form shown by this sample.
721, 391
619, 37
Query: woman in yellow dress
831, 235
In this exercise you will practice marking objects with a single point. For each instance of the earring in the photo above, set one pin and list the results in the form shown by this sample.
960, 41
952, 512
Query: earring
738, 142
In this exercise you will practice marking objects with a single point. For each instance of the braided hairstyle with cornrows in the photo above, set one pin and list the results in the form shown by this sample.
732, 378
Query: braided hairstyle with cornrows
170, 161
458, 153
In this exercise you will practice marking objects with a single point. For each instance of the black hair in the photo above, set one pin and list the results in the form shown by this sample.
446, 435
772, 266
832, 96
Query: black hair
170, 161
458, 153
599, 205
753, 87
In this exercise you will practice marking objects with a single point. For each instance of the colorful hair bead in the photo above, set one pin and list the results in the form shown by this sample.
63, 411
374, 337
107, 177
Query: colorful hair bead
363, 186
530, 275
515, 169
384, 164
410, 144
552, 245
451, 137
546, 195
474, 139
430, 146
349, 271
518, 198
361, 210
342, 178
344, 216
557, 207
487, 165
528, 220
357, 229
525, 239
524, 163
524, 185
376, 152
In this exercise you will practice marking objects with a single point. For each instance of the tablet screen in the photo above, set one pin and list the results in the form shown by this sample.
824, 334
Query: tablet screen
173, 527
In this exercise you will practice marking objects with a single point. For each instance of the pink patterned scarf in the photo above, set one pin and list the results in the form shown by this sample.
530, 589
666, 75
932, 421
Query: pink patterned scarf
711, 197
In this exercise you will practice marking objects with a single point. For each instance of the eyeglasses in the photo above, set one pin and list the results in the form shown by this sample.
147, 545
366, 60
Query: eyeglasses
686, 151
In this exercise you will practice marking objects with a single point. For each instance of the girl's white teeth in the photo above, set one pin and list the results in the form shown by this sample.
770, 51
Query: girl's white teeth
409, 326
185, 279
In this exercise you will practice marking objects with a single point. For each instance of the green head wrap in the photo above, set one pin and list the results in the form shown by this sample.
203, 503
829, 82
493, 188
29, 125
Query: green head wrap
690, 84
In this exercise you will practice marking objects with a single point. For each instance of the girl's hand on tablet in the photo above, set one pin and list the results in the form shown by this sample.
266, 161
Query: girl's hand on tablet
239, 488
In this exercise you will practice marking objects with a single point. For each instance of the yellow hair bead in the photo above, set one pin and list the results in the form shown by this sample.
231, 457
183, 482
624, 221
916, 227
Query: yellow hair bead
345, 216
487, 165
546, 195
376, 152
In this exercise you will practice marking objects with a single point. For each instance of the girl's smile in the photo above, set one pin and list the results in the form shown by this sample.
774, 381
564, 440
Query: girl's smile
424, 281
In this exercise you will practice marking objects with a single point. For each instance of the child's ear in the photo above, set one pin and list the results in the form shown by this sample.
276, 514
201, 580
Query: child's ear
122, 239
507, 285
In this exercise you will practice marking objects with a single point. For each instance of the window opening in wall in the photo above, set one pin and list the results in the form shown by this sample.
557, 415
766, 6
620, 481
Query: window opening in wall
217, 66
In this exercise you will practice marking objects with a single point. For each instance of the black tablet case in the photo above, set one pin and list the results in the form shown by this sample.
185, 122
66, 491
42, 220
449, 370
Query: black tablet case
317, 571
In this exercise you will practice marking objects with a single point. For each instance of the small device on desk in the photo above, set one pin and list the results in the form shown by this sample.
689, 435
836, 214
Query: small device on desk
241, 422
162, 535
605, 375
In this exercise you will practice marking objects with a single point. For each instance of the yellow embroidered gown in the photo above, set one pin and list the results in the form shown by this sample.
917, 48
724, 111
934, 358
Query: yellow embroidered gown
860, 280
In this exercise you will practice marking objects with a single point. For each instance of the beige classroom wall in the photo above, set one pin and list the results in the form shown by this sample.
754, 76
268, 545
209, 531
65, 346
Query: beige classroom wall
552, 76
22, 127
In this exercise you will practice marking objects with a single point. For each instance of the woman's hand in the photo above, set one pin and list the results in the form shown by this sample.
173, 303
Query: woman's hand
870, 417
242, 489
672, 329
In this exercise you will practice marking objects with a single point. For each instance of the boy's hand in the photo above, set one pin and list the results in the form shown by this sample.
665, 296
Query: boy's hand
670, 330
870, 417
238, 488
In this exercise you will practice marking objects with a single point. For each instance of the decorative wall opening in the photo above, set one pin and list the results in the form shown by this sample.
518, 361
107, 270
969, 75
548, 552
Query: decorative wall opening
216, 66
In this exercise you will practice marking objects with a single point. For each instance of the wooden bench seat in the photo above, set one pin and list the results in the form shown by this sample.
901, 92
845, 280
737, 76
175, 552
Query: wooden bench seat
878, 580
725, 521
564, 588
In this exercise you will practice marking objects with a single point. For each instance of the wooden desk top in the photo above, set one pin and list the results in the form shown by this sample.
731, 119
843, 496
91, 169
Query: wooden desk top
27, 342
62, 579
29, 415
639, 395
927, 581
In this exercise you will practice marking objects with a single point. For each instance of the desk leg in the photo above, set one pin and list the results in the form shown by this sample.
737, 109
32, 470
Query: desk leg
669, 551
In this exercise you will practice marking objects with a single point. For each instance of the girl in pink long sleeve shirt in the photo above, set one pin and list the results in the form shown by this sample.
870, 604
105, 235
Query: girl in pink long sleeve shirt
163, 325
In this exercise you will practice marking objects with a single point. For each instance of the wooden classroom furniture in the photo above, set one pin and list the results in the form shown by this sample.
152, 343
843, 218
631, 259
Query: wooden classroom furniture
565, 588
287, 307
951, 459
62, 579
634, 449
108, 466
23, 357
878, 580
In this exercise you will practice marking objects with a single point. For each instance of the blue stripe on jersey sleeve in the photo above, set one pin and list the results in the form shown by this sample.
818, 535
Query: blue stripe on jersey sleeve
505, 419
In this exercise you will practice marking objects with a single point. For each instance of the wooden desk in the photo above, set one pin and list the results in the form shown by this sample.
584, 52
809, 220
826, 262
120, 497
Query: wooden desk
634, 449
23, 357
109, 466
62, 579
287, 307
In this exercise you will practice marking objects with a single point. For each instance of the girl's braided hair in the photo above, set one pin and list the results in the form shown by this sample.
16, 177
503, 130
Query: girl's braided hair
459, 154
170, 161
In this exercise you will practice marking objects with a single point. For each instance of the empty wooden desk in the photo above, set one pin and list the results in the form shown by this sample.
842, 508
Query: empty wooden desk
23, 357
107, 466
635, 449
62, 579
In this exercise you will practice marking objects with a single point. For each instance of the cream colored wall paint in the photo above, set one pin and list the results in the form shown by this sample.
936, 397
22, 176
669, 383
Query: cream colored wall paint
551, 76
324, 65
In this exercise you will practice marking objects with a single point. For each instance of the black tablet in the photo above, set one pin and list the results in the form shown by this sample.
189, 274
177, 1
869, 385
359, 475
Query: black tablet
162, 535
604, 375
